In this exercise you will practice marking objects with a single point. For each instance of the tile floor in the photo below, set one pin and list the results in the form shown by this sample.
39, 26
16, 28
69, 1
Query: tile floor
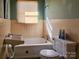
29, 58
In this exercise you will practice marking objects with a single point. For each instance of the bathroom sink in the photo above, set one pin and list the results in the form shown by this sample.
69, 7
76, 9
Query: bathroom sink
15, 40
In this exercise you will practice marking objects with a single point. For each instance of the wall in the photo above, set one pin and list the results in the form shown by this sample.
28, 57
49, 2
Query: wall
63, 14
1, 8
63, 9
71, 27
27, 30
41, 5
13, 9
4, 30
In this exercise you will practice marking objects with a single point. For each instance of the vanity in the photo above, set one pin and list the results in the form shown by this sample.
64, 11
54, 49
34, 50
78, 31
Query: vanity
13, 40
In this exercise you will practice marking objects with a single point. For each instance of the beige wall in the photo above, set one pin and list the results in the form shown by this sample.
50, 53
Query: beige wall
61, 18
4, 30
27, 30
71, 27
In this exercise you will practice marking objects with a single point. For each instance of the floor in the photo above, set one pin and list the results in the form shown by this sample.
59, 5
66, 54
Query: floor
29, 58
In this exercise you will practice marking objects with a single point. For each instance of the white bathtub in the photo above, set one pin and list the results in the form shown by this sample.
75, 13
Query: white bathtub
31, 47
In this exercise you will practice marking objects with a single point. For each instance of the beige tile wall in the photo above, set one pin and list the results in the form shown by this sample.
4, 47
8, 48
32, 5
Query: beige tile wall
4, 30
27, 30
71, 27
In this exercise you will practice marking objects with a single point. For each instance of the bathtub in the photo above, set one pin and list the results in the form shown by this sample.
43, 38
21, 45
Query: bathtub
31, 47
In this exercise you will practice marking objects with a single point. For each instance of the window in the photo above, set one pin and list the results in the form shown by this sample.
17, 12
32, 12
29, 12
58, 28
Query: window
27, 11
